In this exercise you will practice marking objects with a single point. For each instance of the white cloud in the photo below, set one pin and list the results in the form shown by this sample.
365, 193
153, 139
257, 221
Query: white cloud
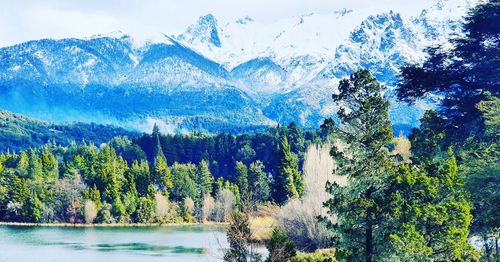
23, 20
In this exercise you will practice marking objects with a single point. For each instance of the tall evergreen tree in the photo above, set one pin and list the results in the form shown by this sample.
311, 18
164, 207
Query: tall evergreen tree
238, 236
157, 150
242, 179
35, 208
365, 131
259, 182
205, 180
463, 75
22, 164
49, 163
35, 165
161, 174
288, 179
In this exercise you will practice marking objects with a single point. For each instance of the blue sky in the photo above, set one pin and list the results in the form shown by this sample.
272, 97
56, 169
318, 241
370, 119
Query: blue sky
23, 20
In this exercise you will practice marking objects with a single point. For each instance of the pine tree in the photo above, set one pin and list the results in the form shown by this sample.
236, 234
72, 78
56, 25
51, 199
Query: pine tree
280, 246
462, 75
161, 174
182, 179
365, 131
259, 182
288, 180
238, 236
94, 195
141, 176
35, 165
22, 164
205, 179
35, 207
242, 180
49, 163
157, 150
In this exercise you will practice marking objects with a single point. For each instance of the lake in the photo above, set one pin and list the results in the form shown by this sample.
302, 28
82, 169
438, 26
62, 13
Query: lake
171, 243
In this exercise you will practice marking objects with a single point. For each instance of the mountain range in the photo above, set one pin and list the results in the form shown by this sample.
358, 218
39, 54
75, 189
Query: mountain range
223, 77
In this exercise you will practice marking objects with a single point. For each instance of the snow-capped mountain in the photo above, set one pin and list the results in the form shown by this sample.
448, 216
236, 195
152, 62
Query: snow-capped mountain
233, 77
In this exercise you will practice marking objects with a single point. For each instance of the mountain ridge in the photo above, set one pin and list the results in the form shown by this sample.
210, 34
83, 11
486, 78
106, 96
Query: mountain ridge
214, 77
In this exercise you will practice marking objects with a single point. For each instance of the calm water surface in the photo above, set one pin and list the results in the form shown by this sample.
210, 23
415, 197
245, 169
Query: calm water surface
175, 243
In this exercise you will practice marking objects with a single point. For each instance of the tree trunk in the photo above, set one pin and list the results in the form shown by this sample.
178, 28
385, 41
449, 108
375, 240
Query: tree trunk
368, 240
369, 230
487, 248
496, 249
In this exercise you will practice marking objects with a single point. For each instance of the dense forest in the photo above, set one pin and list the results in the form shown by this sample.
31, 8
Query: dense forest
432, 196
123, 180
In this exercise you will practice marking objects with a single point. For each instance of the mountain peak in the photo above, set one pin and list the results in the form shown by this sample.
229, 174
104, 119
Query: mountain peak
205, 30
118, 34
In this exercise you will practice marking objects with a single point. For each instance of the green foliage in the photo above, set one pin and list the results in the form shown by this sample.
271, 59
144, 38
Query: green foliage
238, 236
314, 257
409, 245
104, 214
161, 174
463, 75
121, 177
126, 149
35, 207
433, 212
23, 164
139, 173
490, 113
145, 210
259, 182
18, 132
204, 179
222, 151
242, 181
429, 139
288, 180
182, 178
280, 247
364, 131
49, 162
466, 76
481, 167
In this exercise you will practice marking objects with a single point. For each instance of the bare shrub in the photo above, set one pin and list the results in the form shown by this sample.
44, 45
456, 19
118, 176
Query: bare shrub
68, 199
299, 217
402, 148
224, 203
90, 210
206, 209
188, 209
165, 211
161, 207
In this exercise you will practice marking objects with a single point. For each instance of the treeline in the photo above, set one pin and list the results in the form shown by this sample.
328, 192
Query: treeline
208, 176
222, 151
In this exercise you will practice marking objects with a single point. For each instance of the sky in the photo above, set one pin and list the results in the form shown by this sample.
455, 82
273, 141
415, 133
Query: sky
24, 20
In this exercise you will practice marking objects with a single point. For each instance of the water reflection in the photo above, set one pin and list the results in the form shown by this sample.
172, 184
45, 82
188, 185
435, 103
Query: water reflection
176, 243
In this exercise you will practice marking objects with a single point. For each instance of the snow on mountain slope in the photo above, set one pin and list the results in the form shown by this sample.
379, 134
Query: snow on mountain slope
235, 76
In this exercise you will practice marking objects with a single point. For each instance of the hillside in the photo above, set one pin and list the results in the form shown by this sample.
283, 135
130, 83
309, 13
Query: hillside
20, 132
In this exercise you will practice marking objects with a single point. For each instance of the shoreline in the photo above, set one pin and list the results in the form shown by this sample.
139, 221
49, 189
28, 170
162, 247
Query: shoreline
28, 224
